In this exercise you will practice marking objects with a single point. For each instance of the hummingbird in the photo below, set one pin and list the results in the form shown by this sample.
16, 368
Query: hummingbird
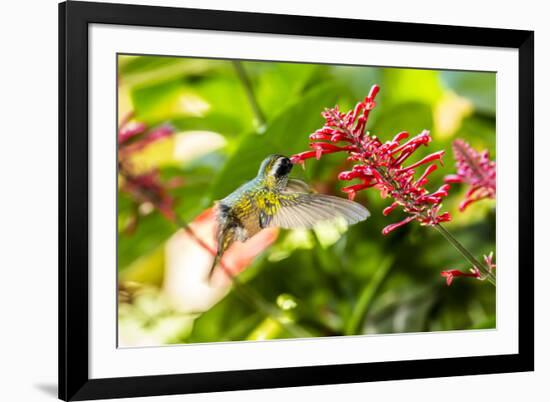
273, 199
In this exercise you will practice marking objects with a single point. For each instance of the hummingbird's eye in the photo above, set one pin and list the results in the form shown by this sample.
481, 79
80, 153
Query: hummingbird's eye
284, 166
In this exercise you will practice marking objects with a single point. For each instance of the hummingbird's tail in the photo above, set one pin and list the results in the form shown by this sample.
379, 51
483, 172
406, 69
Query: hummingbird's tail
214, 263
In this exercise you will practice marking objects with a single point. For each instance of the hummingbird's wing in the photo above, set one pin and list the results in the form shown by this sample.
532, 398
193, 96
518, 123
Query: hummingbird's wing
304, 210
297, 186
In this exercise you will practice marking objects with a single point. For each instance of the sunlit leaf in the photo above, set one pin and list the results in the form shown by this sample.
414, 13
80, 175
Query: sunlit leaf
479, 88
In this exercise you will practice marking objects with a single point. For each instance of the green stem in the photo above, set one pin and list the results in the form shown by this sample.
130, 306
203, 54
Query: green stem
462, 250
245, 80
246, 293
363, 304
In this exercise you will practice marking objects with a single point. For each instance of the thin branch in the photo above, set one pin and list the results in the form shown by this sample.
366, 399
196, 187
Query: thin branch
245, 80
451, 239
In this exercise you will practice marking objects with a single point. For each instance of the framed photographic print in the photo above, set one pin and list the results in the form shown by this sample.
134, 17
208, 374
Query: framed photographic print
257, 200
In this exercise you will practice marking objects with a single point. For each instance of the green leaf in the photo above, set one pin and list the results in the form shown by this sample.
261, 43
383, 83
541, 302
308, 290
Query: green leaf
286, 134
146, 70
151, 231
401, 85
230, 319
148, 268
217, 122
280, 84
222, 97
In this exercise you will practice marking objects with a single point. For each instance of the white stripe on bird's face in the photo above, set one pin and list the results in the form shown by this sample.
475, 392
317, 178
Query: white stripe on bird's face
275, 166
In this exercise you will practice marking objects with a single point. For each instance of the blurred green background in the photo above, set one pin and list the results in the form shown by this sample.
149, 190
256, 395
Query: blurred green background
329, 281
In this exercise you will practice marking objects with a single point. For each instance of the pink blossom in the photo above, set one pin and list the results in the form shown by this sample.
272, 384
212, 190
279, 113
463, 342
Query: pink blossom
475, 169
144, 187
133, 136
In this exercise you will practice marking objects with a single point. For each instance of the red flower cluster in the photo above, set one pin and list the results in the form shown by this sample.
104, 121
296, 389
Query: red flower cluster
450, 274
147, 187
133, 136
380, 165
476, 169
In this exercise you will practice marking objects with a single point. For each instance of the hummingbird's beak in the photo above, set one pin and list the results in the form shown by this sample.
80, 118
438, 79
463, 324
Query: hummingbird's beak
296, 161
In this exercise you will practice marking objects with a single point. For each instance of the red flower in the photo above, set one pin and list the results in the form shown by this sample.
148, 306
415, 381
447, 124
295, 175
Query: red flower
477, 170
380, 165
454, 273
144, 188
474, 272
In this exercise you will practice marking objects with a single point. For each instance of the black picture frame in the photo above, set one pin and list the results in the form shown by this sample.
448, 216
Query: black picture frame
74, 19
